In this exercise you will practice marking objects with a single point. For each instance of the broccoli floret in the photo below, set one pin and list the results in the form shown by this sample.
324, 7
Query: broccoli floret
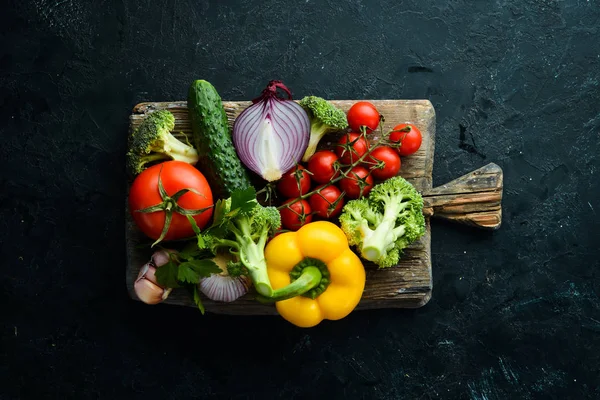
384, 223
324, 118
228, 264
245, 235
236, 268
153, 141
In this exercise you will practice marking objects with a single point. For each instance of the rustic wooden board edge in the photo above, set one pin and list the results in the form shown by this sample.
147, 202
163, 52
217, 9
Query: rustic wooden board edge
474, 199
411, 298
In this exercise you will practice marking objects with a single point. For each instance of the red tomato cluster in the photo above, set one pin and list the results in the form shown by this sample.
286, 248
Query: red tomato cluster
319, 189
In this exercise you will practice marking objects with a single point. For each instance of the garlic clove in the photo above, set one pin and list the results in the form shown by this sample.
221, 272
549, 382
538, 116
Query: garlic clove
161, 257
143, 271
148, 292
147, 288
224, 288
150, 275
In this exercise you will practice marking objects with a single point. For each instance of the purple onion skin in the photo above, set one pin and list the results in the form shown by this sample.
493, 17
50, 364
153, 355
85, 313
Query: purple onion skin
285, 119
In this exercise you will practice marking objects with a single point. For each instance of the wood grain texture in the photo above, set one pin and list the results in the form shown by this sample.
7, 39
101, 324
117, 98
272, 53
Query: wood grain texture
407, 285
474, 199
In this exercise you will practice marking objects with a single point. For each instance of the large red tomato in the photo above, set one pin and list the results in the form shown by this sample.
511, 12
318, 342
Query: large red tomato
175, 176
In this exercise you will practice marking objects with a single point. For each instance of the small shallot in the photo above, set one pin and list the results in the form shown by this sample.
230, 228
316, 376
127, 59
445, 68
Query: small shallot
223, 287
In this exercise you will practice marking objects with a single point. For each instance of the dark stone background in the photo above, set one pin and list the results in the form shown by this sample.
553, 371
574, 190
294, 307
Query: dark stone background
514, 314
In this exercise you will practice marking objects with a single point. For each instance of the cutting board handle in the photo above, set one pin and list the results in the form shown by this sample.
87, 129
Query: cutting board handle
473, 199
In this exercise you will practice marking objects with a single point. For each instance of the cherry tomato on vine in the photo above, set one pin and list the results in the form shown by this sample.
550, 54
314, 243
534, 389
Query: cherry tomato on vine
296, 214
410, 140
328, 202
323, 166
295, 182
358, 183
363, 113
351, 147
174, 176
386, 157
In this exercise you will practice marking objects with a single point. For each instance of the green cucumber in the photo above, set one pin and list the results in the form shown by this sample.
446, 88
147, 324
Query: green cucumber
219, 161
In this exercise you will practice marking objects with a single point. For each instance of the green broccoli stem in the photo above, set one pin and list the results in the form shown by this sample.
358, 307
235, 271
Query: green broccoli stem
148, 158
383, 237
228, 244
252, 255
260, 278
399, 231
181, 151
317, 131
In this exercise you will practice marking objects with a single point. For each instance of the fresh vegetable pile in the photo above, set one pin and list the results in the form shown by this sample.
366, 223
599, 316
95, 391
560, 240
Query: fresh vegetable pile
265, 209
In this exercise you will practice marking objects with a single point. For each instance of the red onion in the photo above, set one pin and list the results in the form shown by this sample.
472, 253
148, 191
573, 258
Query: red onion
272, 134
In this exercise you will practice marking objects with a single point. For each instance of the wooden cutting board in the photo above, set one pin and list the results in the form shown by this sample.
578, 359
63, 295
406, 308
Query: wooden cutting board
473, 199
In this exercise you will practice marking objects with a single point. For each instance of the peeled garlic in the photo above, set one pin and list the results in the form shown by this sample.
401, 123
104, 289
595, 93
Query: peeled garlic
223, 287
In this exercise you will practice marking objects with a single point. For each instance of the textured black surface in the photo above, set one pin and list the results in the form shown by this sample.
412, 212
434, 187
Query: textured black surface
514, 314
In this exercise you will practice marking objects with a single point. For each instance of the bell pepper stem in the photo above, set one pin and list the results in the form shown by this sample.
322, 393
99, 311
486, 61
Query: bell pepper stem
311, 277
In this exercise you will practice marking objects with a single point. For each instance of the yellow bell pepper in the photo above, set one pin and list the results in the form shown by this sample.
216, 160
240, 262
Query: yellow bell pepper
298, 258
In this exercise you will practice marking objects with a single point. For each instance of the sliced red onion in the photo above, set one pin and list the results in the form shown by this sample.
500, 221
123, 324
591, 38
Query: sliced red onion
272, 134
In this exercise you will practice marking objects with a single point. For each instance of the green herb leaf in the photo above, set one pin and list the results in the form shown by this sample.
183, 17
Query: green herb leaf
200, 242
243, 199
187, 274
191, 271
197, 299
219, 232
205, 268
166, 275
189, 251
